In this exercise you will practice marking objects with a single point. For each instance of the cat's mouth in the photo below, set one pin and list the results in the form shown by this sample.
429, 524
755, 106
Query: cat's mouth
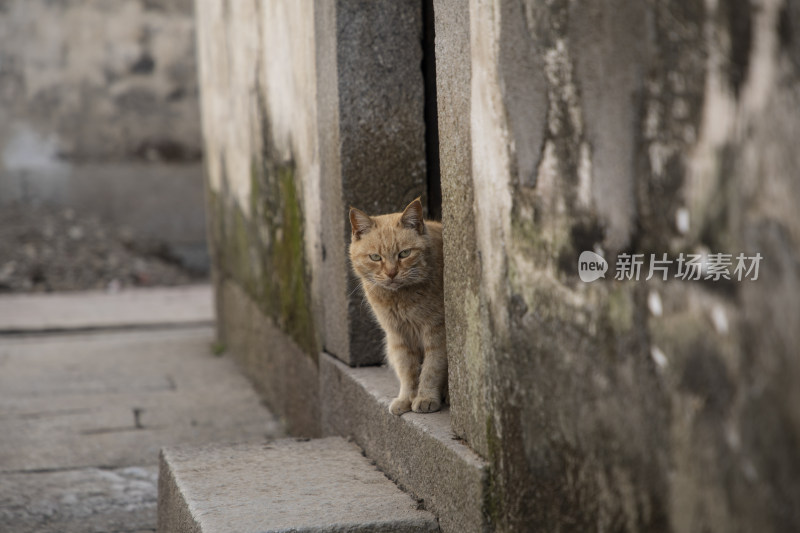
391, 284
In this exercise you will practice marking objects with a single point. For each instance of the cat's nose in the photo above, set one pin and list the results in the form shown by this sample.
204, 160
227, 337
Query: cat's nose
391, 273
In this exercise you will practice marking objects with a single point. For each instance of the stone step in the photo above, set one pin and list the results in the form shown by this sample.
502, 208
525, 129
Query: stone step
315, 485
418, 451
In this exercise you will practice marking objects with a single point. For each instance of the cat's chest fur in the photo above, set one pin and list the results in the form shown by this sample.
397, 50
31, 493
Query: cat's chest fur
406, 313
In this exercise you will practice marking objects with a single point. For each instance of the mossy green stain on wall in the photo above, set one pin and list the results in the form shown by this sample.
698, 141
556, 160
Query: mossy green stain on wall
288, 261
264, 252
283, 284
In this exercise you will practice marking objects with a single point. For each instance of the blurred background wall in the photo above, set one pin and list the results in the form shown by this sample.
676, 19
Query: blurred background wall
99, 113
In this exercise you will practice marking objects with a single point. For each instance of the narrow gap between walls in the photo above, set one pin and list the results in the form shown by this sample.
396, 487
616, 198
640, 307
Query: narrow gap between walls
434, 182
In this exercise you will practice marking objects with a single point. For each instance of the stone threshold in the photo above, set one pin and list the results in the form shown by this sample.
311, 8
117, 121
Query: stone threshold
418, 451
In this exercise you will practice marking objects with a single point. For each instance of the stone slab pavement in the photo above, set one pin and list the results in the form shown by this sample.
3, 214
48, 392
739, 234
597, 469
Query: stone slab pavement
70, 311
83, 415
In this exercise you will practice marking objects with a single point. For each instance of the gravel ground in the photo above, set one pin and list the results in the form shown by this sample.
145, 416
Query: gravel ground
46, 249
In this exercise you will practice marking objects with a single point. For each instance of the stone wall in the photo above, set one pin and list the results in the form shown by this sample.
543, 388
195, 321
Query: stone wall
262, 166
623, 127
308, 107
98, 104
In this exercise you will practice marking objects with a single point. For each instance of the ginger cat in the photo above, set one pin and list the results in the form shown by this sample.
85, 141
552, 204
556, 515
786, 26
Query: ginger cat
398, 258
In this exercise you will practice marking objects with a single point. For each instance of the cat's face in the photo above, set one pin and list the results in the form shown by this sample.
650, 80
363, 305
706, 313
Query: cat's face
389, 251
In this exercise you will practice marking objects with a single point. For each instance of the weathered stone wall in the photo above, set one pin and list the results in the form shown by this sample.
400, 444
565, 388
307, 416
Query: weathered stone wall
94, 94
623, 127
262, 165
308, 107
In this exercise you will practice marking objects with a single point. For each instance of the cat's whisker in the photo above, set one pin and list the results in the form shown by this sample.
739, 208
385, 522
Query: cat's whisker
367, 290
359, 286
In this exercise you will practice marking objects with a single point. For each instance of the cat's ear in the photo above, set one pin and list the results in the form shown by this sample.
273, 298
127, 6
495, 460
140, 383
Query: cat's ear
412, 217
360, 223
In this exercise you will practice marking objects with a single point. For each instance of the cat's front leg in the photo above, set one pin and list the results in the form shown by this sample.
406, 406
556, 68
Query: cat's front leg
406, 366
433, 378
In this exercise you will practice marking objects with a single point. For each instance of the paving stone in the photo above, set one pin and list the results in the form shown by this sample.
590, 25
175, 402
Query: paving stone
84, 416
163, 306
79, 501
114, 400
315, 485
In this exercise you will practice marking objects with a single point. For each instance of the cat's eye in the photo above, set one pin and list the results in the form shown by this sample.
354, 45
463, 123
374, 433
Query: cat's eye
404, 254
375, 257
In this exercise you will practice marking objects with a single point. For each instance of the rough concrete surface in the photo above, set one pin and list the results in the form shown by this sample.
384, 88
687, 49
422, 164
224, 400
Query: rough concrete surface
419, 451
102, 309
322, 485
83, 417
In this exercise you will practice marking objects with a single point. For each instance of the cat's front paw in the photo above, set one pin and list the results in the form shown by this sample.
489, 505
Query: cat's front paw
426, 405
400, 406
